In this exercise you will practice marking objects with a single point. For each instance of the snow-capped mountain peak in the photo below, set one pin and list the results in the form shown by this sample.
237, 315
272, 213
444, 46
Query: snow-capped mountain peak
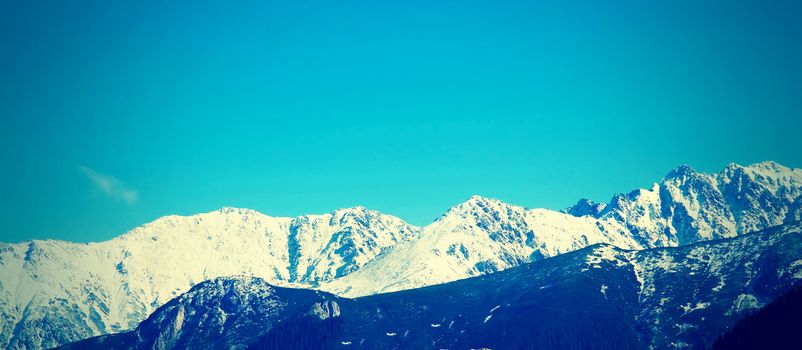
478, 207
475, 204
236, 210
585, 207
54, 292
681, 172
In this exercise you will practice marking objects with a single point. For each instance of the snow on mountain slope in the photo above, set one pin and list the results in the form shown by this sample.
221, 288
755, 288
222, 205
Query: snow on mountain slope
688, 206
762, 195
641, 213
476, 237
697, 291
54, 292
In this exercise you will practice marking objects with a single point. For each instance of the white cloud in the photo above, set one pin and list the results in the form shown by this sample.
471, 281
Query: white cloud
110, 186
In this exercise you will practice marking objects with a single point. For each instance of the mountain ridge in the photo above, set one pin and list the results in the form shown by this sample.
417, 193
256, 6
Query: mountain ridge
356, 251
648, 298
685, 207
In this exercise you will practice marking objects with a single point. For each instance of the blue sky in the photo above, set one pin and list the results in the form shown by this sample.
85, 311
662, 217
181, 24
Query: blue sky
115, 113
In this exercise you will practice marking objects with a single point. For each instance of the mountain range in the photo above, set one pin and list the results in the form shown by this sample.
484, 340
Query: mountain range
599, 297
54, 292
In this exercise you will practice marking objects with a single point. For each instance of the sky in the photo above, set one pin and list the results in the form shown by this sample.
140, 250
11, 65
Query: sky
114, 113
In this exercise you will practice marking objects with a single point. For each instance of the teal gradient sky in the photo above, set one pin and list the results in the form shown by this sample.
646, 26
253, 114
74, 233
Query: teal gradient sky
113, 113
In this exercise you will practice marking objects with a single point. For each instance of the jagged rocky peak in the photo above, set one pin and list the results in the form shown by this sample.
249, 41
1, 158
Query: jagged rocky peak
353, 211
585, 207
323, 247
695, 207
478, 205
238, 211
480, 201
486, 214
688, 206
640, 196
770, 165
629, 208
682, 172
357, 215
688, 181
764, 171
781, 181
763, 194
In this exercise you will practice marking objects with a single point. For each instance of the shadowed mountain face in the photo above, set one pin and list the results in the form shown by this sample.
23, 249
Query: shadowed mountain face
599, 297
775, 326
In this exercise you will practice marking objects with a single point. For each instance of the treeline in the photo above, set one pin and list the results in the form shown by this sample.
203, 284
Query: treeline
776, 326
